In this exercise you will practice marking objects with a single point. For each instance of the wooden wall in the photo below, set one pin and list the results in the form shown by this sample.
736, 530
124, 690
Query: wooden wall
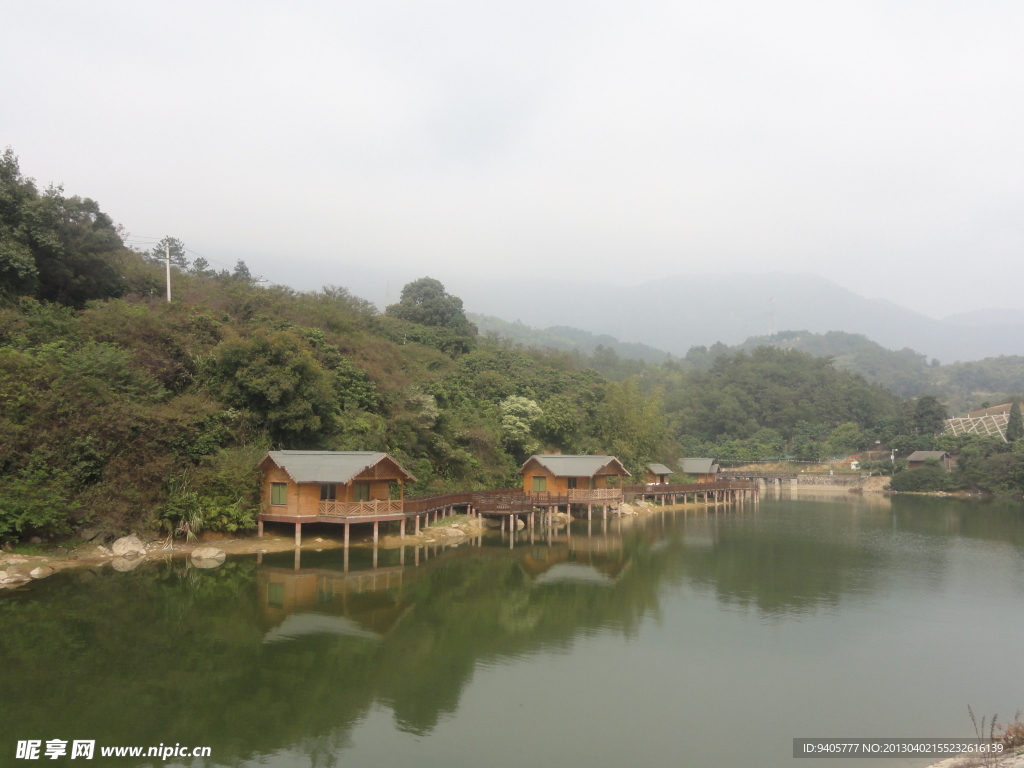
304, 498
559, 485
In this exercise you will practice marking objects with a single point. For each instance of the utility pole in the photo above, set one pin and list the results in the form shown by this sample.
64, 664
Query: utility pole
167, 253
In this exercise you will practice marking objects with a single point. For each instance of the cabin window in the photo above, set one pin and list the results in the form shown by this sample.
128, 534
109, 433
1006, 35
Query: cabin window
275, 593
572, 483
540, 484
279, 494
362, 491
328, 492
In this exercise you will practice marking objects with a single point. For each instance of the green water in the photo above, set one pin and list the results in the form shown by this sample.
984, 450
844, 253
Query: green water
675, 640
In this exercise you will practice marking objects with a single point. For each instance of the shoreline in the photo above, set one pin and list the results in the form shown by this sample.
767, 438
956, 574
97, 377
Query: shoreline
89, 555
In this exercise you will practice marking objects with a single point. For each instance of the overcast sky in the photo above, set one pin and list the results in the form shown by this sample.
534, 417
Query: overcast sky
878, 144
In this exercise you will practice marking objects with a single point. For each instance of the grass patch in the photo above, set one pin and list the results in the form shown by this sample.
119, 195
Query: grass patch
445, 522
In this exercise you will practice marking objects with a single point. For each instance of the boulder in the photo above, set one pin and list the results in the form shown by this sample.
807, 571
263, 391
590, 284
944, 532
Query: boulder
41, 572
520, 525
125, 564
129, 546
16, 576
101, 550
207, 557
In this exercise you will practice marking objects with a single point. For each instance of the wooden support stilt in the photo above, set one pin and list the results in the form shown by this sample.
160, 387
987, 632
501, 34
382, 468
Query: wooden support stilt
401, 528
298, 534
376, 532
589, 511
259, 528
417, 525
346, 535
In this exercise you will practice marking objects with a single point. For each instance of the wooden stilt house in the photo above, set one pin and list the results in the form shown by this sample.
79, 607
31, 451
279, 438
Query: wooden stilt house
331, 483
656, 474
558, 474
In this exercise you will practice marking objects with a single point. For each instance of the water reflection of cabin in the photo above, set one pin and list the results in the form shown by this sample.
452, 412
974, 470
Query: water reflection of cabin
331, 486
306, 602
657, 474
581, 478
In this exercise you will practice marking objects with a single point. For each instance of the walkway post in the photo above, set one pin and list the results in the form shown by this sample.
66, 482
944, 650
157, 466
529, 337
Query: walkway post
298, 534
346, 534
376, 524
259, 529
401, 529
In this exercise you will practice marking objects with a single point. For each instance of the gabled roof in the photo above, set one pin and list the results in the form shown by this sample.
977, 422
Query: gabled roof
333, 466
659, 469
698, 466
577, 466
925, 455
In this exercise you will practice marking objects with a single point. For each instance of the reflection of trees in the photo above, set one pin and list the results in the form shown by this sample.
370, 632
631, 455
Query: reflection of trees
209, 657
990, 520
166, 651
776, 569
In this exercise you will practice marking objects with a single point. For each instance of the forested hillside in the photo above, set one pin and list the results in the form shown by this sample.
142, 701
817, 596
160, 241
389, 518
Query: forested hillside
121, 410
961, 386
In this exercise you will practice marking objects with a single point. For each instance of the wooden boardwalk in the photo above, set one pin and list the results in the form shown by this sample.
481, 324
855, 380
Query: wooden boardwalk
508, 505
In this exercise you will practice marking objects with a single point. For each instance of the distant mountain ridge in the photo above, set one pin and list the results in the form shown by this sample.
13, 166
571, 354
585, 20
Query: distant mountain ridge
566, 339
679, 312
905, 372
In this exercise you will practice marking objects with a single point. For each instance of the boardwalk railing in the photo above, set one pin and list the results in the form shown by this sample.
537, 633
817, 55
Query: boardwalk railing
374, 508
681, 488
511, 501
599, 495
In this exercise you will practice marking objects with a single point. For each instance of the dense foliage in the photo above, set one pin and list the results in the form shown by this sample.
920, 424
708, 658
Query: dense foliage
121, 410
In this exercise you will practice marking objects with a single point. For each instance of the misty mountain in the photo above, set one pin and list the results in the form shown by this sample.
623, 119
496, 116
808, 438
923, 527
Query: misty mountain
566, 339
962, 385
682, 311
987, 317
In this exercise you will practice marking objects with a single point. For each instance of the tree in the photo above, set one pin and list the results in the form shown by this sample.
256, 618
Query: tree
276, 378
426, 302
929, 415
1015, 426
201, 268
241, 271
57, 248
171, 245
518, 415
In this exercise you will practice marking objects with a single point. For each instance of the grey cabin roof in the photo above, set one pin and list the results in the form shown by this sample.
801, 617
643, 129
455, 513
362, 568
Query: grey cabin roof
659, 469
572, 466
699, 466
925, 455
329, 466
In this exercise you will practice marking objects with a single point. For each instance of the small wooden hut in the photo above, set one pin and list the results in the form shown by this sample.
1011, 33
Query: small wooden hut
704, 470
656, 474
329, 483
918, 458
559, 474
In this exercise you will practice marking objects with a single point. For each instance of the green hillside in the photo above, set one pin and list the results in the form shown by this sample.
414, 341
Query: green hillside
123, 411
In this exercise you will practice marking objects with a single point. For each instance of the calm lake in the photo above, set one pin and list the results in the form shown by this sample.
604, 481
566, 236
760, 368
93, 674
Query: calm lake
680, 639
